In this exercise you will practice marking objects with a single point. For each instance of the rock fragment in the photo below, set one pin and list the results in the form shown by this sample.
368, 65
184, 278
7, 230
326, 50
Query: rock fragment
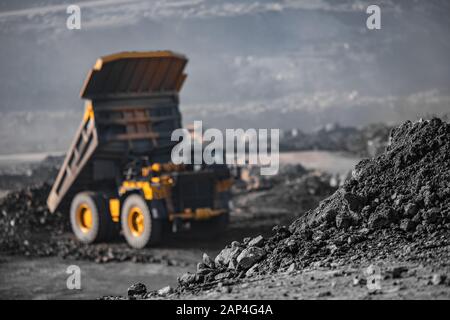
186, 279
165, 291
137, 289
223, 275
256, 242
407, 225
207, 261
248, 257
227, 255
252, 271
291, 268
438, 279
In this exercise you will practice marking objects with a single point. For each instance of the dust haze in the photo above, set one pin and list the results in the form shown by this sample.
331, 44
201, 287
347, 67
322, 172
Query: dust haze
262, 64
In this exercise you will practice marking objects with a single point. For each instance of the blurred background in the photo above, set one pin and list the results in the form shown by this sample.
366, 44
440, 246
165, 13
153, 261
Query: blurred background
266, 64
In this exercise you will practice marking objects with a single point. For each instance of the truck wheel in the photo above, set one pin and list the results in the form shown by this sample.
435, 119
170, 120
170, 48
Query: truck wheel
90, 218
138, 226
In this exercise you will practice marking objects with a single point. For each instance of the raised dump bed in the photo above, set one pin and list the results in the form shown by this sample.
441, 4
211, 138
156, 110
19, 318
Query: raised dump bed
131, 111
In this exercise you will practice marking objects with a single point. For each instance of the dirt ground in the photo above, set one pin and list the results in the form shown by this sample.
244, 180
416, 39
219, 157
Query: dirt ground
45, 278
337, 283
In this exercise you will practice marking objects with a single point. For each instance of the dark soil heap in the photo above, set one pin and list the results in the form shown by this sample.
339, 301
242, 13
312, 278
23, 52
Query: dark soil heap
407, 185
25, 219
28, 228
395, 205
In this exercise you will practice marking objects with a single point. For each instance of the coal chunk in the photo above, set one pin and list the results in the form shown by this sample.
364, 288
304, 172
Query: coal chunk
137, 289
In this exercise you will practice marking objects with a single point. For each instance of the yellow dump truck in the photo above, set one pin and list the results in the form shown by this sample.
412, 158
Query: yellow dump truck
117, 175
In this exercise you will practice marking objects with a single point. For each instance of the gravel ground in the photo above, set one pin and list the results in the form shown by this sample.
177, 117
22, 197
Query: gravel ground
416, 282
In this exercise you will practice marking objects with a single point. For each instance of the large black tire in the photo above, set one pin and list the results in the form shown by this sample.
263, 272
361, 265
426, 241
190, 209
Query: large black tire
90, 218
139, 228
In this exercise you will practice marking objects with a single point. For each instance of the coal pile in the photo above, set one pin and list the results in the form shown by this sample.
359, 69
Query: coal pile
395, 205
27, 228
25, 219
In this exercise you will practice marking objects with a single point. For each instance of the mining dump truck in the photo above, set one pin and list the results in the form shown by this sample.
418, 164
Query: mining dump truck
117, 175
